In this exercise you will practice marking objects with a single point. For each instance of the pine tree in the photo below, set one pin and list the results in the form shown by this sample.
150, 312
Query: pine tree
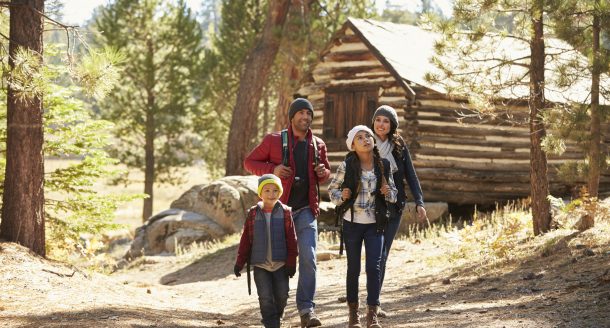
256, 70
582, 23
157, 107
477, 61
23, 218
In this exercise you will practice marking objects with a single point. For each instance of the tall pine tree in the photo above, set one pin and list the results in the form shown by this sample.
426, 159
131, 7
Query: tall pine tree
158, 104
582, 23
480, 60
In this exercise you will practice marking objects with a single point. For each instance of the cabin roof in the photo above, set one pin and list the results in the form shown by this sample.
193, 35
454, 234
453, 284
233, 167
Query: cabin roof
406, 51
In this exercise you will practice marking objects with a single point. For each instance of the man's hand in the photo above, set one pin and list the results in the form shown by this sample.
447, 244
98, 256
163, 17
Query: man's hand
320, 170
290, 271
422, 217
236, 270
346, 193
282, 171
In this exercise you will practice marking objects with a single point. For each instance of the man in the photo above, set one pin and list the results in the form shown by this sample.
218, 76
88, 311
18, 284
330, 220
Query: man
300, 180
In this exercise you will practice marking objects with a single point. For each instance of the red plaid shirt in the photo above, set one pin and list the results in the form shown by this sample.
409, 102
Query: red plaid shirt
247, 236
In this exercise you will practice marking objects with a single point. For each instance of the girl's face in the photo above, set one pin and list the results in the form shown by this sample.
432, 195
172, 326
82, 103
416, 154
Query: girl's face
381, 126
270, 194
363, 142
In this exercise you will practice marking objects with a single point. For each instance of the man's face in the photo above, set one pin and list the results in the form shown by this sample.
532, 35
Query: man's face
301, 121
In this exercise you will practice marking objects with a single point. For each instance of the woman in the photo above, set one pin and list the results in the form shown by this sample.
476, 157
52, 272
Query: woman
363, 185
392, 147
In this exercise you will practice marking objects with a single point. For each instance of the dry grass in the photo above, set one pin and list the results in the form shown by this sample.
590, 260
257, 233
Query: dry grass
130, 214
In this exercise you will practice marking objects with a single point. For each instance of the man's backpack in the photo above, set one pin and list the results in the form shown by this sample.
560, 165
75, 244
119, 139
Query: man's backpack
286, 154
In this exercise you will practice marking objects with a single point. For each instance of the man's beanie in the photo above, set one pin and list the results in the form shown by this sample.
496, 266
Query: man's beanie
297, 105
267, 179
389, 112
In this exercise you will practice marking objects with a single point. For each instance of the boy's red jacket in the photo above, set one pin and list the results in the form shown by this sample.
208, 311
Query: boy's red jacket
245, 243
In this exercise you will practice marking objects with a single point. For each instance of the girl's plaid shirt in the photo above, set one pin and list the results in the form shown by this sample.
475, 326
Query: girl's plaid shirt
365, 199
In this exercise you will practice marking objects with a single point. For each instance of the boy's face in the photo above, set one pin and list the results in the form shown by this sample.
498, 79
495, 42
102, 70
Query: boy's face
270, 194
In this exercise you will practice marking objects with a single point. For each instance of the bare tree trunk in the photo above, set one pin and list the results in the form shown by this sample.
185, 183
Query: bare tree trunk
149, 147
23, 198
256, 70
538, 163
293, 64
595, 147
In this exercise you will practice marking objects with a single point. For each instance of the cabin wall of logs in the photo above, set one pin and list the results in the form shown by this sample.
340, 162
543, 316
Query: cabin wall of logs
459, 157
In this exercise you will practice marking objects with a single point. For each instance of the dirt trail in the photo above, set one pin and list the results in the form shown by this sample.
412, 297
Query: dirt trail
567, 289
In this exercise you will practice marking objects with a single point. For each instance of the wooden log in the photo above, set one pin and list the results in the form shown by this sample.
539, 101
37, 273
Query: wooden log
470, 131
488, 154
352, 55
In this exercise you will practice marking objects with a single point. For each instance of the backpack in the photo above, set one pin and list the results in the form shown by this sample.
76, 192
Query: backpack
286, 154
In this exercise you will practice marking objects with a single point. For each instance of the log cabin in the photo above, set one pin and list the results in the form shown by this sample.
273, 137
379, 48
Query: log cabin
459, 158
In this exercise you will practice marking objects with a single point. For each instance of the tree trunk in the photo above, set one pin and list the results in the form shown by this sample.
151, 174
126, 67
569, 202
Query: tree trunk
293, 64
256, 70
149, 148
595, 147
538, 163
23, 198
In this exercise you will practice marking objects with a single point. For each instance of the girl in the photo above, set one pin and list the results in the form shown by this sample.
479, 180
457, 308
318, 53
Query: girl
363, 184
392, 147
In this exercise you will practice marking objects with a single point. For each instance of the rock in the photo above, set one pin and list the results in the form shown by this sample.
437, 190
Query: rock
170, 228
224, 201
435, 211
327, 215
327, 256
202, 213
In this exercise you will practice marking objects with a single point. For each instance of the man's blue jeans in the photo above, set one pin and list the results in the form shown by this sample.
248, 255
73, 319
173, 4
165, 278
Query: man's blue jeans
306, 227
354, 234
272, 289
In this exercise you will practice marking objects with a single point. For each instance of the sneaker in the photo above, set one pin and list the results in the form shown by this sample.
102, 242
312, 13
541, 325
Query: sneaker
309, 319
381, 313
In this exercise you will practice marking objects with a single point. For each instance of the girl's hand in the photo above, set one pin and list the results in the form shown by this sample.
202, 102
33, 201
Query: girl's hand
385, 189
346, 194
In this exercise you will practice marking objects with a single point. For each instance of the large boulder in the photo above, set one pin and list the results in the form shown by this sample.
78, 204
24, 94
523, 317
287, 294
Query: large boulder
172, 228
202, 213
224, 201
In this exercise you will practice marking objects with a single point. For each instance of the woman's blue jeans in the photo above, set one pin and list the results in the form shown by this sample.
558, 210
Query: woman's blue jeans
388, 237
354, 234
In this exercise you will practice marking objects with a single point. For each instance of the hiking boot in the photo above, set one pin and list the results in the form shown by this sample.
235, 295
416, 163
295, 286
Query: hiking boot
354, 315
309, 319
371, 317
381, 313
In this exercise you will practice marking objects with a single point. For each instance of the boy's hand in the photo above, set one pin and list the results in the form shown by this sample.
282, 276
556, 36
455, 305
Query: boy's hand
236, 270
290, 271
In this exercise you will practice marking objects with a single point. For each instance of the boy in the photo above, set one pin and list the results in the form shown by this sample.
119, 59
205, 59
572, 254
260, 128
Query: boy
268, 242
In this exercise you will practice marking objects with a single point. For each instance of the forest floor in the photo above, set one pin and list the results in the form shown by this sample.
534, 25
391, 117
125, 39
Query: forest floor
561, 279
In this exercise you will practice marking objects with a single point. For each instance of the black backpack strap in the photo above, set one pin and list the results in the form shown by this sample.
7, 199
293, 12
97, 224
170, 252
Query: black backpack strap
285, 152
316, 162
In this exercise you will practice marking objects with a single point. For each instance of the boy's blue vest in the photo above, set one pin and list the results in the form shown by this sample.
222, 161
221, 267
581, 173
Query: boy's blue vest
278, 237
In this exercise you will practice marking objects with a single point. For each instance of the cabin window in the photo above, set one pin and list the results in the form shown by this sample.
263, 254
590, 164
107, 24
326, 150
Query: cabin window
345, 108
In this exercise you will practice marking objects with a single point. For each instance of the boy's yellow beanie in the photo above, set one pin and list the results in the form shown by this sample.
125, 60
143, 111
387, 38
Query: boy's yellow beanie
267, 179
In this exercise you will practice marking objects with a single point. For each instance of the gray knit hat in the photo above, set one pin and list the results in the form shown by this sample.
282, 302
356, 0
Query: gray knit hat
297, 105
389, 112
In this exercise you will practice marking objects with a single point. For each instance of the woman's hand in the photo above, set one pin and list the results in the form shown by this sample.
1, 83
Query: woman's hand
346, 193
